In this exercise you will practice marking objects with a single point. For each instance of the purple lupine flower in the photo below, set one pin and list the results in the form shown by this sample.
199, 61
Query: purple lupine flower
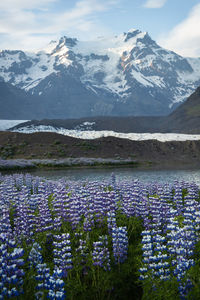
74, 212
88, 221
57, 223
155, 264
100, 254
35, 256
82, 249
60, 196
22, 224
178, 198
11, 272
147, 248
5, 225
180, 242
62, 252
55, 286
111, 220
120, 244
43, 275
45, 217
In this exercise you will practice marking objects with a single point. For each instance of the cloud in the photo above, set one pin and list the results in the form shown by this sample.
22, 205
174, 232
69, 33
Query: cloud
22, 21
10, 5
79, 14
154, 3
185, 37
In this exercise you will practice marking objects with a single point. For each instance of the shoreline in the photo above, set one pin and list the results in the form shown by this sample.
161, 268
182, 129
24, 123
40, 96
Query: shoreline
91, 163
48, 164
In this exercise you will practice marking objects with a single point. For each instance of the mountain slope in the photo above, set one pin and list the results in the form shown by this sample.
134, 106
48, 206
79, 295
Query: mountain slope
12, 100
185, 119
122, 75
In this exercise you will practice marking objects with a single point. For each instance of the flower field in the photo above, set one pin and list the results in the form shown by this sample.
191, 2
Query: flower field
98, 240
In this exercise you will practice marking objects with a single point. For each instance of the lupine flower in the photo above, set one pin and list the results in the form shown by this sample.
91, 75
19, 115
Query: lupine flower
31, 207
111, 220
11, 272
35, 256
120, 244
62, 252
100, 254
42, 277
55, 286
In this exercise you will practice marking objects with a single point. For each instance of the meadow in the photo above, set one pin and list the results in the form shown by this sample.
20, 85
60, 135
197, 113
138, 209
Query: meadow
98, 239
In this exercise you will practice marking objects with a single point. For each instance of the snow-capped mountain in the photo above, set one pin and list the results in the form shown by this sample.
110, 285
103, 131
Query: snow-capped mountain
127, 74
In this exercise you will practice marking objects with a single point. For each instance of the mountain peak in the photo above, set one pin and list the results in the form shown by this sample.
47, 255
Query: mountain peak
55, 46
131, 34
67, 41
124, 74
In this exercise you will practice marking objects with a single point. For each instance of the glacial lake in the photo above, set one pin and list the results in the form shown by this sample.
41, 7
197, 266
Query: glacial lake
161, 176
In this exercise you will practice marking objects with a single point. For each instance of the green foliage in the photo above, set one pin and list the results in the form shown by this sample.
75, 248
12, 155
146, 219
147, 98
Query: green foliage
57, 142
49, 154
87, 145
180, 220
7, 151
160, 290
194, 274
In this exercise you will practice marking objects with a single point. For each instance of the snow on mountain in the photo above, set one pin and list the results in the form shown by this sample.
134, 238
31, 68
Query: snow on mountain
6, 124
92, 134
129, 69
25, 70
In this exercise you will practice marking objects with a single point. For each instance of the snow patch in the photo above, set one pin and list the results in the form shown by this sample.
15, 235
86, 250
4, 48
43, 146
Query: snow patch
37, 72
140, 78
85, 126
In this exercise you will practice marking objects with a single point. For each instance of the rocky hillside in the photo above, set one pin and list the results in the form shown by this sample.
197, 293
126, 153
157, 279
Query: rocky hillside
186, 118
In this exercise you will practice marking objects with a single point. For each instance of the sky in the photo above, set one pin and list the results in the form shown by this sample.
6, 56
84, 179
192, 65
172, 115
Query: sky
31, 24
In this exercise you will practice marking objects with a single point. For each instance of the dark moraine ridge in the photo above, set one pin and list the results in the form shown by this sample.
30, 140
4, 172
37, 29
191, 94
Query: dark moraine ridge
54, 146
118, 124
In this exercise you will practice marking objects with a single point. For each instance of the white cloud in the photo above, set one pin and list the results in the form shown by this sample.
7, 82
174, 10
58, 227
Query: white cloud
22, 21
185, 37
154, 3
79, 14
10, 5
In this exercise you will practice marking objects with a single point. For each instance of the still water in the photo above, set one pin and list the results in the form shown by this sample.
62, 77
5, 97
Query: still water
166, 176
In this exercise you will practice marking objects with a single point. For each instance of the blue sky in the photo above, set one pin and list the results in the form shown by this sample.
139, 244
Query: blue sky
31, 24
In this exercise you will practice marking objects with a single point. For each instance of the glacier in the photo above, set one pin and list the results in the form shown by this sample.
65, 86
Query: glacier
92, 134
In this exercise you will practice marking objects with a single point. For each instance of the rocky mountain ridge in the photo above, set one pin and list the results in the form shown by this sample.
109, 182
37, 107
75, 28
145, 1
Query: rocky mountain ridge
124, 75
